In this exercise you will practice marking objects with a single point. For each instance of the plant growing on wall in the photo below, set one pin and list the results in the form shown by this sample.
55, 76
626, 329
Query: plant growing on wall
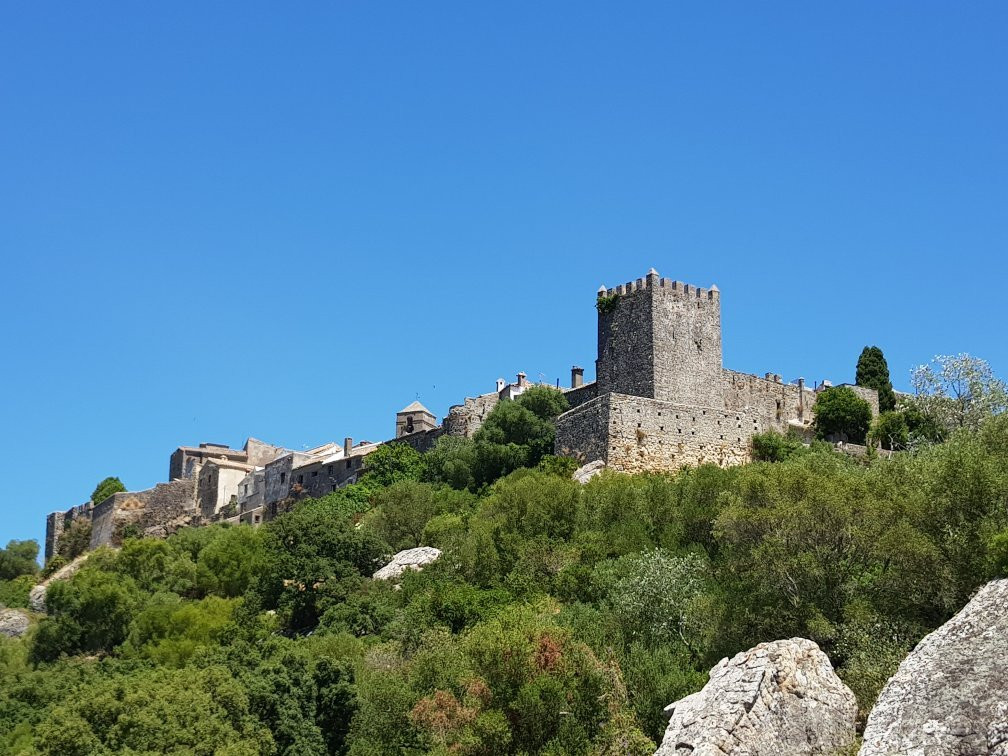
606, 304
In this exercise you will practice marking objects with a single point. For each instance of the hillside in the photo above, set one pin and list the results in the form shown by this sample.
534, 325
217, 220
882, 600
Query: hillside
559, 618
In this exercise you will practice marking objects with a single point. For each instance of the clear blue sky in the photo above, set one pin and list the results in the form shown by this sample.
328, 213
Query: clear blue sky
290, 220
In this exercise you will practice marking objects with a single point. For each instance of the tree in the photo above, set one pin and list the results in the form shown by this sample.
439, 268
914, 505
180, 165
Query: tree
90, 613
313, 556
891, 431
873, 372
105, 489
958, 391
841, 412
403, 510
19, 558
390, 463
545, 402
660, 598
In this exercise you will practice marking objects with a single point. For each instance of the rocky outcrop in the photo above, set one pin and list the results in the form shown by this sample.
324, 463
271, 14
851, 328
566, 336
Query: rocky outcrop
586, 472
410, 559
777, 698
950, 695
13, 623
36, 597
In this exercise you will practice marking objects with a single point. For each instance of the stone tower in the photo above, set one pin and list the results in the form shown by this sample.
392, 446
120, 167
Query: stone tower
414, 418
660, 339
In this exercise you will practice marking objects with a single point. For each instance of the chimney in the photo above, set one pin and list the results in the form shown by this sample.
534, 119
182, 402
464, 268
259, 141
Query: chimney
521, 380
577, 377
347, 446
500, 385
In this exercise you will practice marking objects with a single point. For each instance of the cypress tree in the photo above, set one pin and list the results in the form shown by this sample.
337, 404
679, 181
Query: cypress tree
873, 372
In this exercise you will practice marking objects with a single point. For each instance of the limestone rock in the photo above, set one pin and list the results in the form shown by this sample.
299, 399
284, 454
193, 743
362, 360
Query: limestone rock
36, 597
13, 623
410, 559
777, 698
586, 472
950, 695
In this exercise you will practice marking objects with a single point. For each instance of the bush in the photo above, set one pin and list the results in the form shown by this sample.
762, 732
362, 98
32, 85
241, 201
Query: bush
890, 431
19, 558
775, 447
90, 613
842, 415
106, 488
14, 593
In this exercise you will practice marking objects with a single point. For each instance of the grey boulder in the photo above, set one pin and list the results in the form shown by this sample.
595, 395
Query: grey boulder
777, 698
586, 472
410, 559
13, 623
950, 695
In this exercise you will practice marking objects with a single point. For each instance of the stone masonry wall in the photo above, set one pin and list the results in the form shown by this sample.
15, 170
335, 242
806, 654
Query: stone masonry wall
57, 522
465, 419
581, 432
156, 509
774, 403
869, 395
648, 434
636, 434
578, 396
625, 341
687, 343
422, 440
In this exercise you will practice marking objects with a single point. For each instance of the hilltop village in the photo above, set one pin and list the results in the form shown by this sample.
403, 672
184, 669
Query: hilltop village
661, 400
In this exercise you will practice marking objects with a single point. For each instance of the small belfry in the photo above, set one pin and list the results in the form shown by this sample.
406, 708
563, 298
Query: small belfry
662, 398
414, 418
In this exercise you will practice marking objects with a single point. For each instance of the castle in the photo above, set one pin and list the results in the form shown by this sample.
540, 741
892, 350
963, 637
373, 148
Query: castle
661, 400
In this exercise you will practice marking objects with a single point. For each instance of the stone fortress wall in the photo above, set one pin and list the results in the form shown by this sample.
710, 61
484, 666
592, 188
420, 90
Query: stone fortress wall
662, 399
151, 512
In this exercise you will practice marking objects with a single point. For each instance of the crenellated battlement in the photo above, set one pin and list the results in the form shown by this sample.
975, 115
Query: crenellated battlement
666, 286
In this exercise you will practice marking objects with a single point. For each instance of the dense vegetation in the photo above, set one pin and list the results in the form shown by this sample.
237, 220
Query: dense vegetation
560, 618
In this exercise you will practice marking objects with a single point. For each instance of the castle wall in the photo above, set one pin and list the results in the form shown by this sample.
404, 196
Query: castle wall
422, 441
868, 394
466, 418
581, 432
57, 522
317, 479
625, 361
258, 453
687, 343
277, 480
154, 511
250, 497
578, 396
218, 484
774, 403
652, 435
636, 434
